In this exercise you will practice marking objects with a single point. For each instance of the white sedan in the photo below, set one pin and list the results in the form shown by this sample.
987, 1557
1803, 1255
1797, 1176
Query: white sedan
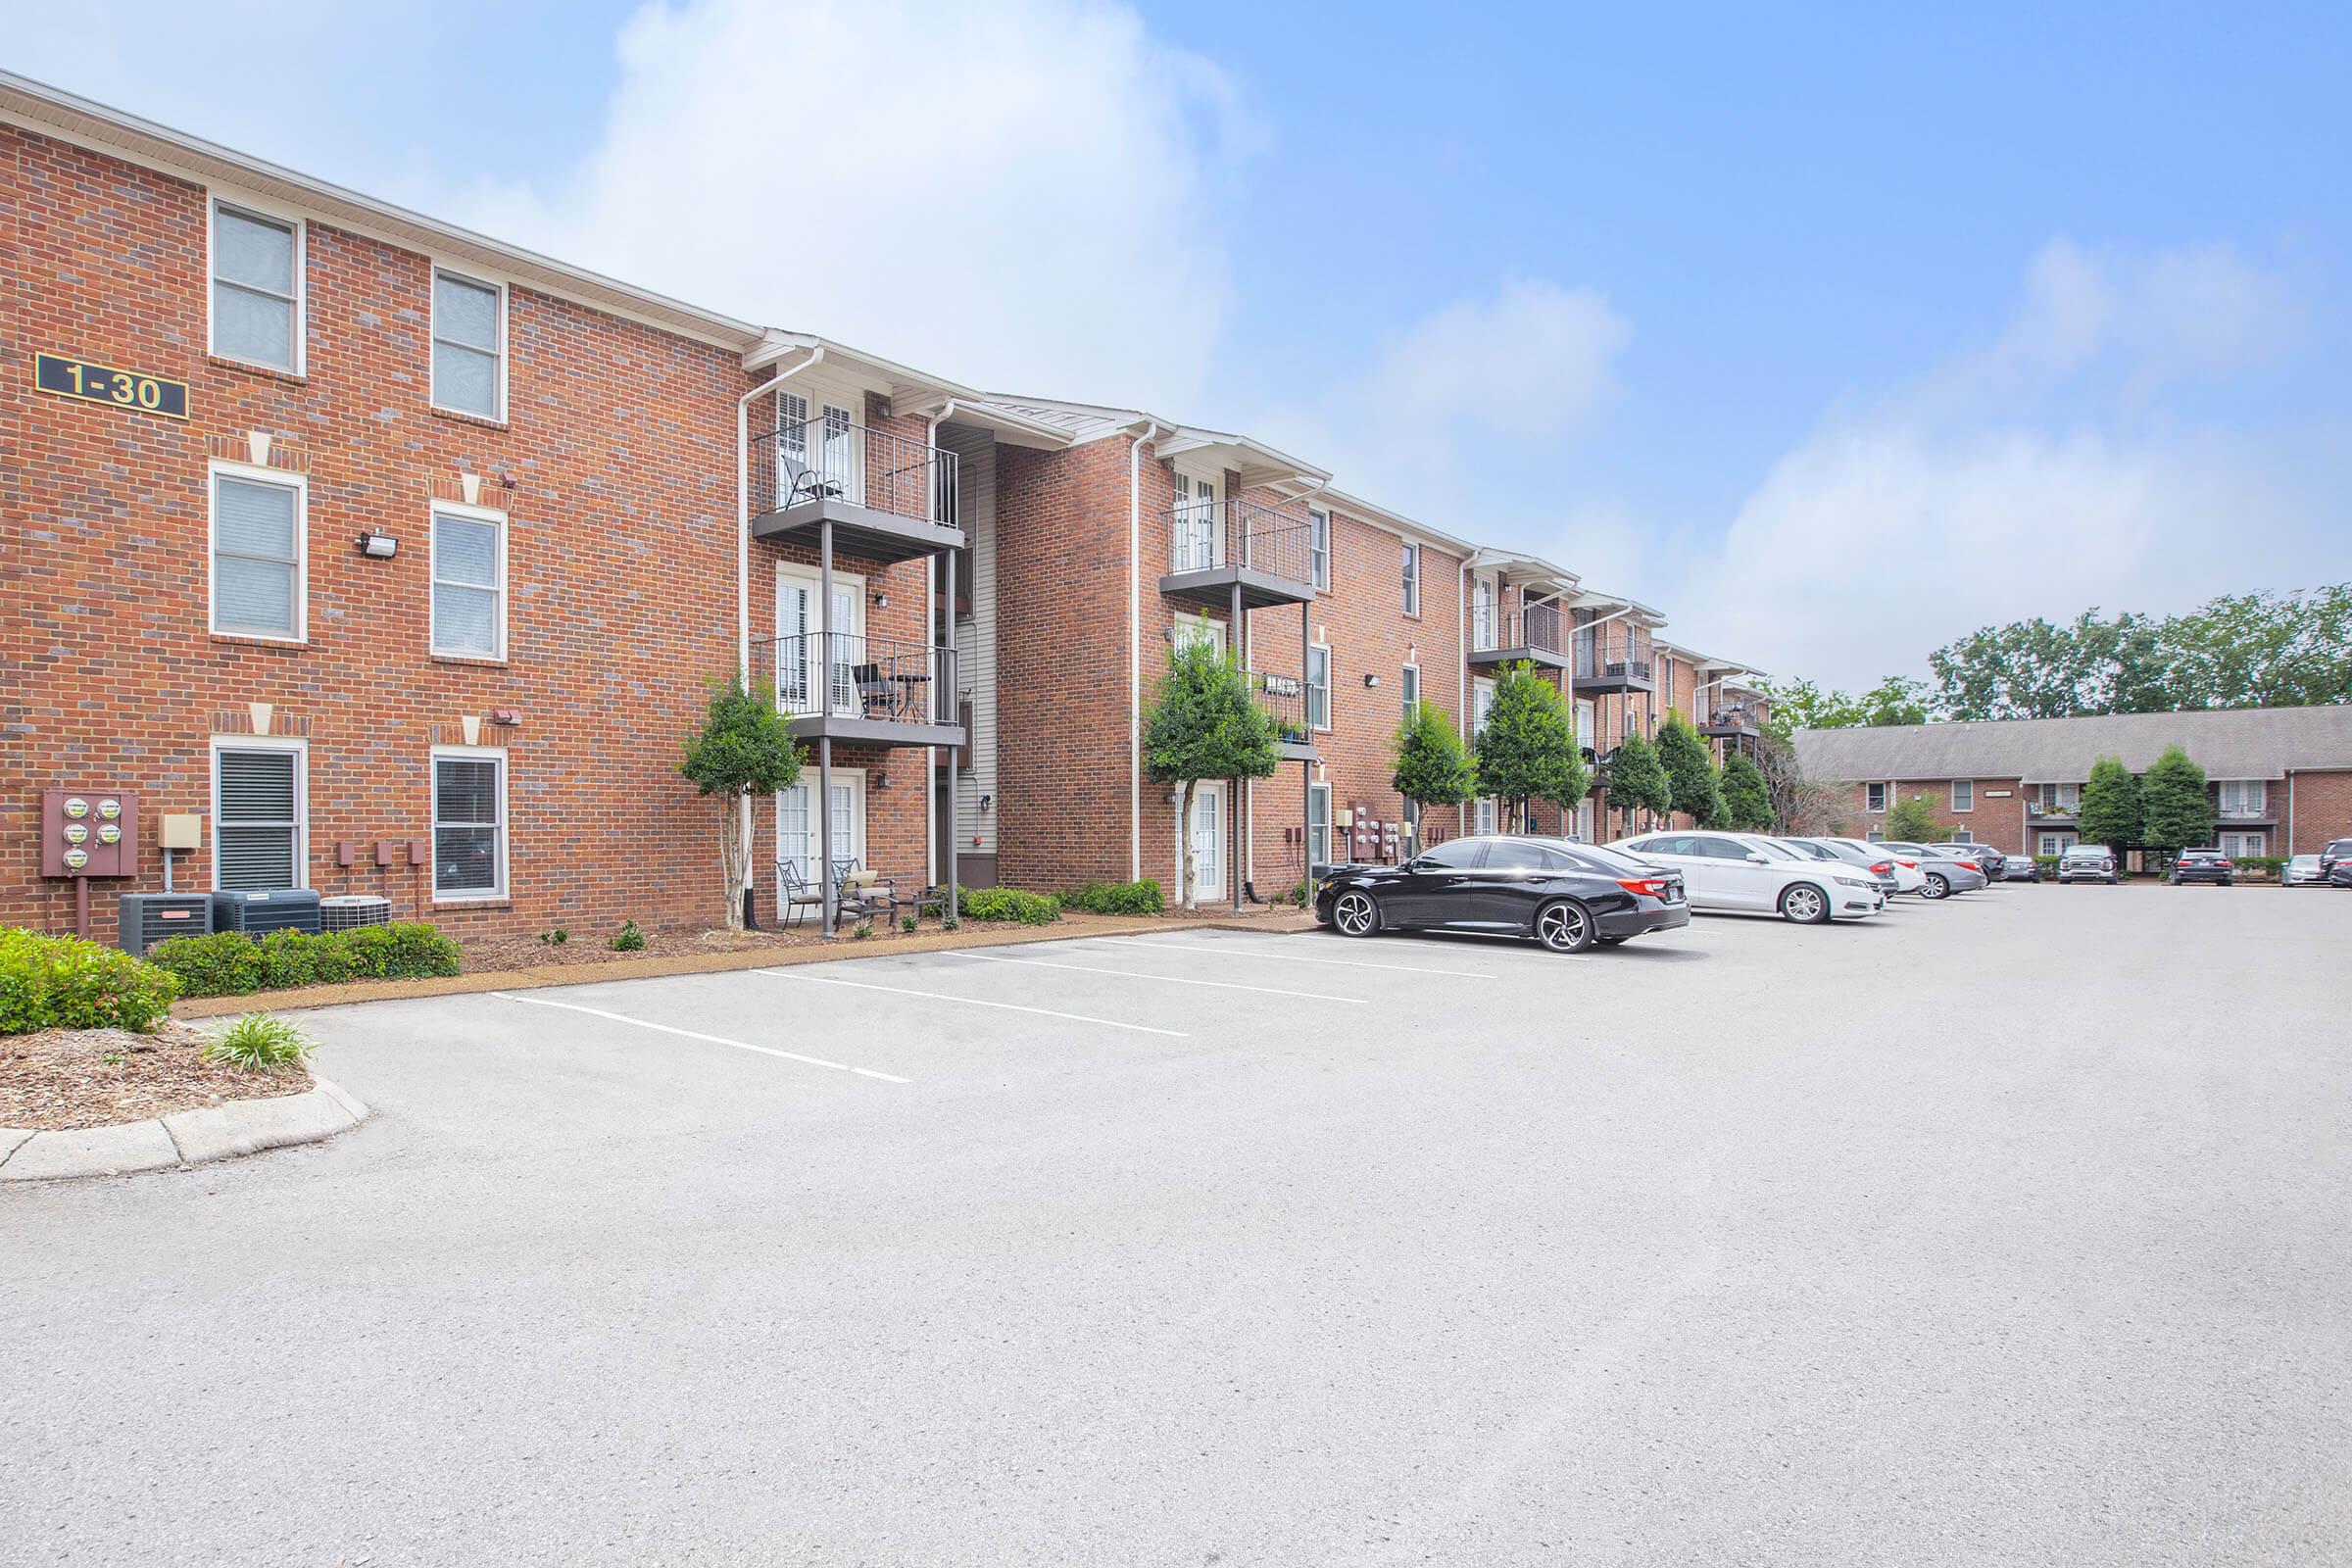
1747, 873
1908, 878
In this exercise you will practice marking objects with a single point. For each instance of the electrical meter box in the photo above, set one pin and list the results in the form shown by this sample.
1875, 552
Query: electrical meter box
89, 832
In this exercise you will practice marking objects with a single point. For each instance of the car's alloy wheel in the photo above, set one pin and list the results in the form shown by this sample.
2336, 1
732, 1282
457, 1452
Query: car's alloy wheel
1564, 927
1356, 915
1936, 888
1806, 904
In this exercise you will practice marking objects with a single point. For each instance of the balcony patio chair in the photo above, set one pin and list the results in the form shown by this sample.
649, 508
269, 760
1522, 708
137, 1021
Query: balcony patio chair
804, 483
874, 691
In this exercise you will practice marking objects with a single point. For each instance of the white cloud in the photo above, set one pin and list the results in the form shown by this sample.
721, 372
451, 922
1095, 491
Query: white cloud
1966, 500
1024, 194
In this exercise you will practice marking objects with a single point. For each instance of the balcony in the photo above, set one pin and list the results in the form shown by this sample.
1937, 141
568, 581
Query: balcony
1733, 723
1615, 656
1285, 697
1537, 635
870, 691
887, 498
1221, 548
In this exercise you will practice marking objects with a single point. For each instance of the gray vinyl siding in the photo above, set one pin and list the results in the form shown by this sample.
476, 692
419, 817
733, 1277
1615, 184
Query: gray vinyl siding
976, 638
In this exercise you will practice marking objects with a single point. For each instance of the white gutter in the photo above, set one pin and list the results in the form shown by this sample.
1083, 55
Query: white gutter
742, 558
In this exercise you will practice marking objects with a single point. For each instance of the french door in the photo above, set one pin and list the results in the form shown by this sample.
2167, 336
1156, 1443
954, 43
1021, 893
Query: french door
797, 826
802, 667
840, 452
1200, 542
1207, 829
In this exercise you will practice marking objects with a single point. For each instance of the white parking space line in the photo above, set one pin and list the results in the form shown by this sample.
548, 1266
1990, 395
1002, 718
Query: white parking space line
1163, 979
1242, 949
689, 1034
970, 1001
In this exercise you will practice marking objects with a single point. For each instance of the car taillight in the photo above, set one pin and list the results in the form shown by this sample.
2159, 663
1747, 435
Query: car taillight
1648, 887
1882, 868
1908, 866
2224, 864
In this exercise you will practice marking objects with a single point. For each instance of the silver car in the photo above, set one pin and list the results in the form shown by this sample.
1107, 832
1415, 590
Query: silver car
2086, 863
2304, 871
1946, 871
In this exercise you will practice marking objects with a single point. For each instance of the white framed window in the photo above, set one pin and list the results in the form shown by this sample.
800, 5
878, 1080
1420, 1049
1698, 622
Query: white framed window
261, 814
1877, 834
1482, 612
1964, 795
2243, 797
1318, 686
1318, 824
1963, 836
1484, 815
257, 279
1588, 724
470, 823
470, 345
260, 552
468, 581
1408, 688
1318, 549
1192, 628
1481, 698
2066, 798
2244, 846
1874, 797
2056, 844
1412, 580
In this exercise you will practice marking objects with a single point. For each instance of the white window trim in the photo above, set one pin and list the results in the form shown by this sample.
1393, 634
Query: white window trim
433, 576
301, 752
505, 821
1191, 624
1412, 583
1322, 583
432, 337
217, 198
1954, 785
1885, 794
1331, 689
2258, 806
1323, 791
1415, 671
215, 469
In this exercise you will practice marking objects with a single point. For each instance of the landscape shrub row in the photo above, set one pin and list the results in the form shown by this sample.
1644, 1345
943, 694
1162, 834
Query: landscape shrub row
231, 963
68, 983
1008, 904
1117, 897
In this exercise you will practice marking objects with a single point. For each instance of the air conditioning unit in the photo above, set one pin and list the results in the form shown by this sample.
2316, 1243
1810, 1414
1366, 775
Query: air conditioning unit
146, 918
348, 911
259, 913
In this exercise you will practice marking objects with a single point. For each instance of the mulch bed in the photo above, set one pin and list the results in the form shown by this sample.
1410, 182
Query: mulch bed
67, 1078
486, 955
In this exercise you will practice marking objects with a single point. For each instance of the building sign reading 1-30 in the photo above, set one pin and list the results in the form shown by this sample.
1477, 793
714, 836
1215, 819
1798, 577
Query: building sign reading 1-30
103, 383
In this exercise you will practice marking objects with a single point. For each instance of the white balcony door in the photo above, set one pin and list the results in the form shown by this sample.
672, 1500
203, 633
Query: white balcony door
1482, 612
1200, 542
801, 663
796, 823
841, 451
1207, 829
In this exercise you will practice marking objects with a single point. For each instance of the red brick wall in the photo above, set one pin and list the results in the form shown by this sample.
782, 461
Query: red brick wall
1997, 820
2322, 810
620, 452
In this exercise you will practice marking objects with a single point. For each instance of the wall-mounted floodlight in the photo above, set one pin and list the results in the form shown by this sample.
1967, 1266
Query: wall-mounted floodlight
378, 544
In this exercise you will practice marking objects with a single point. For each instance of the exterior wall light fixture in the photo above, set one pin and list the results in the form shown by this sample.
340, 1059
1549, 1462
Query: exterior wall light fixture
378, 544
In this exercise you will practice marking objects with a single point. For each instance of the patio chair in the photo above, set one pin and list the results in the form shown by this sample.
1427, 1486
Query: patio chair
795, 894
802, 482
874, 692
860, 892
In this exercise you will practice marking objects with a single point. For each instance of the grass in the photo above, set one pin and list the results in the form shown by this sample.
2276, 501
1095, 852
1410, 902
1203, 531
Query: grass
260, 1042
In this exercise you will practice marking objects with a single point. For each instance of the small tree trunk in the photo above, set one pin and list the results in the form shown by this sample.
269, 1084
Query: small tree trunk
733, 856
1185, 892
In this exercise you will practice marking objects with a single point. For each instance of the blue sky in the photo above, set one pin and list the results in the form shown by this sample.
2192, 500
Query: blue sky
1833, 336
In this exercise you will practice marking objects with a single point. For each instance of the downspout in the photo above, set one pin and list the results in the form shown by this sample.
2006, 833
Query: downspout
1135, 658
743, 579
930, 619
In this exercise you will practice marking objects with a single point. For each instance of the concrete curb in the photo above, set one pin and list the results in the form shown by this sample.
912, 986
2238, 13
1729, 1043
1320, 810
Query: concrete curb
184, 1137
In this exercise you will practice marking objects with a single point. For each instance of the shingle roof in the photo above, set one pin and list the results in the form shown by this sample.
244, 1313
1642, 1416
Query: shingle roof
2227, 743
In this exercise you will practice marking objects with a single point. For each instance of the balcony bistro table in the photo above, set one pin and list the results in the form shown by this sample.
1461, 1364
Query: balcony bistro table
910, 695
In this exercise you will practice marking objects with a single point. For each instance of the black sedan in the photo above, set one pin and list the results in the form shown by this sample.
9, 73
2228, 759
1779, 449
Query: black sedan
1566, 896
2020, 869
2203, 866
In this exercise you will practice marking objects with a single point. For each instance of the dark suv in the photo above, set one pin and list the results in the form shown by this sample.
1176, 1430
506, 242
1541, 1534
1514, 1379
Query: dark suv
2335, 863
2202, 866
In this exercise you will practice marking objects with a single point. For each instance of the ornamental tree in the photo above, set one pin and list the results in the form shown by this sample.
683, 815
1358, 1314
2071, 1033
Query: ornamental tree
1432, 767
744, 749
1746, 798
2112, 813
1912, 820
1690, 774
2178, 812
1637, 782
1527, 750
1203, 724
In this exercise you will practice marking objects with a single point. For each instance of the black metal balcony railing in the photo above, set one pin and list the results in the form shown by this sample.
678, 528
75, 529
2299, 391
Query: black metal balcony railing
1239, 533
853, 676
1285, 697
828, 458
1735, 718
1614, 651
1538, 627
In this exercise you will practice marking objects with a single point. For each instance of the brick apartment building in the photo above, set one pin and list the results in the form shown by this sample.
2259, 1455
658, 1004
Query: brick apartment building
2280, 778
406, 559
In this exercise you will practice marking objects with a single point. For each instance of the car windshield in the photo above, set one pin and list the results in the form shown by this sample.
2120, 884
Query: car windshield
2086, 854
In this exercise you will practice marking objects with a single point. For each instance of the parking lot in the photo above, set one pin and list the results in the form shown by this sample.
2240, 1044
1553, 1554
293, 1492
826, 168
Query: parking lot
2005, 1230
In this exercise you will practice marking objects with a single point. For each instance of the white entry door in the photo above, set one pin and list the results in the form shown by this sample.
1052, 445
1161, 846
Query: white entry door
801, 663
840, 452
1207, 829
1200, 540
797, 822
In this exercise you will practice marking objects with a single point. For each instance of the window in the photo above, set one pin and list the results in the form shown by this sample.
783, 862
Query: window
1482, 612
1877, 837
258, 531
1318, 824
1484, 819
470, 346
1517, 855
1318, 686
257, 288
2243, 846
1963, 836
1461, 854
1482, 700
259, 800
469, 583
2066, 798
2054, 844
1318, 548
2242, 797
1874, 797
1964, 795
1412, 580
470, 823
1408, 687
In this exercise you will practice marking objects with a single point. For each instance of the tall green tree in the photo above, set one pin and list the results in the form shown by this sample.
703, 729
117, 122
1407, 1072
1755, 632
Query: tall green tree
1792, 706
2178, 812
1691, 773
1637, 782
1912, 820
2111, 811
1897, 700
1528, 750
1431, 766
1203, 724
1746, 801
745, 747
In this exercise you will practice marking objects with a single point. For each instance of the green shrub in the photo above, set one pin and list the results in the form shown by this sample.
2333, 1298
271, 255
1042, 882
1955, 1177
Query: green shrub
68, 983
2268, 865
1117, 897
2048, 862
260, 1042
1008, 904
906, 922
630, 938
229, 963
865, 928
555, 937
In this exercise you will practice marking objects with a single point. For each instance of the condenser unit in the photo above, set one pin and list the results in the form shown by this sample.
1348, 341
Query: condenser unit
348, 911
146, 918
258, 914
